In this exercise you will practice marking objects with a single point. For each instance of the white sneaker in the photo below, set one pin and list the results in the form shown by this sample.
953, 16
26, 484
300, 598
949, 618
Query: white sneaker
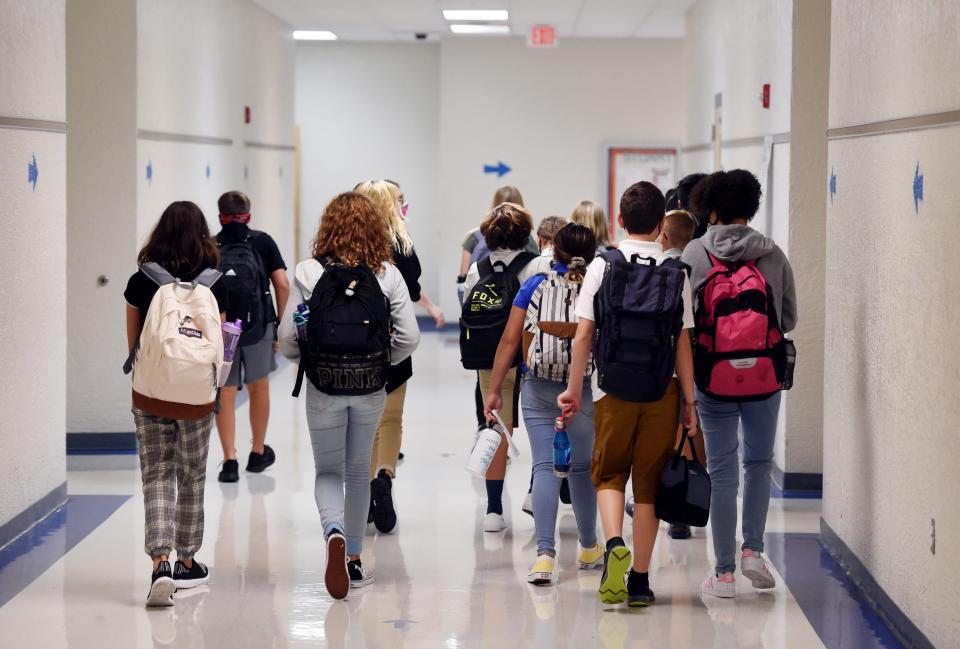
724, 586
527, 506
494, 523
756, 570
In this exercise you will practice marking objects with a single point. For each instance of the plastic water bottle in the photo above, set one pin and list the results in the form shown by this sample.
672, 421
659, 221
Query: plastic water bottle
300, 318
231, 338
561, 449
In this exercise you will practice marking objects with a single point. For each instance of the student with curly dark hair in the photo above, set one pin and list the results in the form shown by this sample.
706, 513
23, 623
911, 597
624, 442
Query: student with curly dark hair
730, 199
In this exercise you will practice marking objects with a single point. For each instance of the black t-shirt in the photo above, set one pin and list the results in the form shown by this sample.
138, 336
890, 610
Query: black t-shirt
141, 289
409, 267
263, 244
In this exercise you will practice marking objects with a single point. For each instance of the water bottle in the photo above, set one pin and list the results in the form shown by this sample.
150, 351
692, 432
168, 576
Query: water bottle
231, 338
561, 449
300, 318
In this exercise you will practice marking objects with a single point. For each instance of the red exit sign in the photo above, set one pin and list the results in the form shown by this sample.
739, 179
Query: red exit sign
542, 36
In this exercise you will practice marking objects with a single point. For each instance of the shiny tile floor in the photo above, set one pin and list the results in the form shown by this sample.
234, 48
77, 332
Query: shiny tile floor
440, 581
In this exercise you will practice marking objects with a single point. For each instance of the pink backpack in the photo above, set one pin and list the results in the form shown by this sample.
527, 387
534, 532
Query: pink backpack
740, 352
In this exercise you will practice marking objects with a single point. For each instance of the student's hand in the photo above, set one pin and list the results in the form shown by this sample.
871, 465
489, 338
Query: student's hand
494, 402
276, 345
569, 403
690, 418
437, 316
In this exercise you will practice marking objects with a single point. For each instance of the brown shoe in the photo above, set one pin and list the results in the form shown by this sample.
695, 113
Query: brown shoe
336, 578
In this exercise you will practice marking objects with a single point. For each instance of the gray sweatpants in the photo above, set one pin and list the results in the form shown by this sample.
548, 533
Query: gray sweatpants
341, 432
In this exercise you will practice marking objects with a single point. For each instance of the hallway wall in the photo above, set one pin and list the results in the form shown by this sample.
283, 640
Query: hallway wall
434, 115
891, 444
32, 249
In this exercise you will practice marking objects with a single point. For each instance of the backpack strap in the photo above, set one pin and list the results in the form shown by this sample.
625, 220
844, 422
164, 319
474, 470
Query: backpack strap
299, 384
207, 277
157, 273
520, 262
612, 255
484, 267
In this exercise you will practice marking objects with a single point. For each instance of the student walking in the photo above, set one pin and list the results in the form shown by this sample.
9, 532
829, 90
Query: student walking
728, 259
490, 287
175, 303
359, 321
543, 319
638, 398
386, 444
592, 215
251, 262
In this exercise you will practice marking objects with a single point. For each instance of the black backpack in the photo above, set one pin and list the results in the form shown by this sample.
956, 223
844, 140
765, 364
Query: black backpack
639, 318
683, 495
247, 288
347, 346
486, 311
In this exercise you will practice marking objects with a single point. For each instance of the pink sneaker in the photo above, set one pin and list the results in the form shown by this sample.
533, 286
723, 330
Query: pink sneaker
756, 570
724, 585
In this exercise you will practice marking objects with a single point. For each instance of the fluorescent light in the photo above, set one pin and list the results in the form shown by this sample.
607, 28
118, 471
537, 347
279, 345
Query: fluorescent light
479, 29
314, 36
476, 14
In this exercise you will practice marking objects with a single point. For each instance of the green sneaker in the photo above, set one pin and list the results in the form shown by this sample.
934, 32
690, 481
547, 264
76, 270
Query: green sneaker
616, 565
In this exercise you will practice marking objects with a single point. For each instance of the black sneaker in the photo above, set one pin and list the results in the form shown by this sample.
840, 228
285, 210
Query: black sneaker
565, 492
359, 576
679, 531
196, 575
257, 462
384, 515
638, 590
336, 577
162, 586
628, 507
616, 564
400, 456
230, 472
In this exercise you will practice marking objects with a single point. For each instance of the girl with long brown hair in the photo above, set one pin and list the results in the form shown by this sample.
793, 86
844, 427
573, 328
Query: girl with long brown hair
355, 236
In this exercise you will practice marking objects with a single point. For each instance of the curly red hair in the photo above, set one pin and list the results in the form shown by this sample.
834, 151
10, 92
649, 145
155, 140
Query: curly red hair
354, 231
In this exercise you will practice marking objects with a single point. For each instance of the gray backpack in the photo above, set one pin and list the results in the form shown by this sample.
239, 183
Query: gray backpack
552, 320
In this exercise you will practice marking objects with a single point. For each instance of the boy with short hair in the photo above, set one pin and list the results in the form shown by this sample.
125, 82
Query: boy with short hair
632, 439
254, 360
678, 229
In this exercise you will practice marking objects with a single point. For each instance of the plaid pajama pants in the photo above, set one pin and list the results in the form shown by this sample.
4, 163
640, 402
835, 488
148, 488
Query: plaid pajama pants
173, 465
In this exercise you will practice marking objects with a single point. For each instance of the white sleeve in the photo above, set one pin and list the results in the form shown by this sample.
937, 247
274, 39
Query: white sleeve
591, 284
687, 303
473, 276
287, 332
405, 334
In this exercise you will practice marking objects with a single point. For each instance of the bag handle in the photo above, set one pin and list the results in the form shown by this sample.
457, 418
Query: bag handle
684, 440
514, 451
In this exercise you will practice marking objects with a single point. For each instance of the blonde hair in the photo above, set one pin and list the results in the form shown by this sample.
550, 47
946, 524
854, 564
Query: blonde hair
353, 230
386, 196
679, 226
594, 217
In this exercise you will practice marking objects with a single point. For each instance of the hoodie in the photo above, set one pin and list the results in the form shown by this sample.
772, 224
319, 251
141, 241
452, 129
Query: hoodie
405, 334
743, 243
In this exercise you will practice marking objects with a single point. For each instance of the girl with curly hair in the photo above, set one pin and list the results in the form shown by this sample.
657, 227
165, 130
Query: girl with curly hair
352, 233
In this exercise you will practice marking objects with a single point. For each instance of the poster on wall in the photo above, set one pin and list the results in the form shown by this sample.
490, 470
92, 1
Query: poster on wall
629, 164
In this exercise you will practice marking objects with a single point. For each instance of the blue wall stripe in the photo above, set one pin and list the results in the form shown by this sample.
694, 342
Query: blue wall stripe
30, 555
835, 607
32, 514
101, 443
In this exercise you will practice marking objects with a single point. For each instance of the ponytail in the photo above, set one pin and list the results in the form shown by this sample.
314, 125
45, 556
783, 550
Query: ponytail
576, 270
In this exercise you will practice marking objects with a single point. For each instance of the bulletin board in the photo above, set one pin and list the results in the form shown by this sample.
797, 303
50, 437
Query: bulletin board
629, 164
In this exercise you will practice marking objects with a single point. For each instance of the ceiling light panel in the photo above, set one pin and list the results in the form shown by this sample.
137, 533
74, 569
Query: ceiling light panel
501, 15
314, 35
469, 28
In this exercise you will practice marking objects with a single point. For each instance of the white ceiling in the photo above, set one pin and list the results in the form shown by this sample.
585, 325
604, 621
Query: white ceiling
379, 20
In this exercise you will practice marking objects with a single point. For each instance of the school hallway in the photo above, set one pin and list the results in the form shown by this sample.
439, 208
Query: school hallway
78, 579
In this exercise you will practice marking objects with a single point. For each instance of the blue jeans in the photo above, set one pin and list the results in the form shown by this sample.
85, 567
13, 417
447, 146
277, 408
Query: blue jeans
341, 432
721, 421
540, 411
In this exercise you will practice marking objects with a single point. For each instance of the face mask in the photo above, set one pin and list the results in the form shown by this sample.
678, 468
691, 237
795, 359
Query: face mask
404, 206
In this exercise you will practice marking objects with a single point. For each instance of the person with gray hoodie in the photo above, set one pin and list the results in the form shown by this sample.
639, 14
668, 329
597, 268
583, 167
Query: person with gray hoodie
731, 199
353, 233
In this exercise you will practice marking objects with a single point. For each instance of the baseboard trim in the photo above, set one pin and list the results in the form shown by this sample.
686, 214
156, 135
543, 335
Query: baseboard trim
798, 485
33, 514
101, 443
898, 622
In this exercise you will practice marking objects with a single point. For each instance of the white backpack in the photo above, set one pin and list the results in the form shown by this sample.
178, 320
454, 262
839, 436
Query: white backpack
553, 322
180, 354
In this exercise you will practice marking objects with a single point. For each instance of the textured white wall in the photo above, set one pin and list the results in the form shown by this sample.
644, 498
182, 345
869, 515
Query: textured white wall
368, 111
32, 250
176, 67
548, 114
891, 370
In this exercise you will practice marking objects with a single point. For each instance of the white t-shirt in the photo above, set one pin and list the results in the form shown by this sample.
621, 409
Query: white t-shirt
594, 276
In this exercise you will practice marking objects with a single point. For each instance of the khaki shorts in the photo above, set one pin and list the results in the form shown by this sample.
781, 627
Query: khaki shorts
634, 438
253, 362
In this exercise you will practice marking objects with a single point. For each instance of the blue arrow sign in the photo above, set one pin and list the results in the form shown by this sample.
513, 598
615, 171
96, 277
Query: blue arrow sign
833, 185
149, 172
917, 188
500, 169
33, 172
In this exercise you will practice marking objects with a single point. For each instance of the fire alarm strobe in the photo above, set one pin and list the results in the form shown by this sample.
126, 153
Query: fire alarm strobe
765, 96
